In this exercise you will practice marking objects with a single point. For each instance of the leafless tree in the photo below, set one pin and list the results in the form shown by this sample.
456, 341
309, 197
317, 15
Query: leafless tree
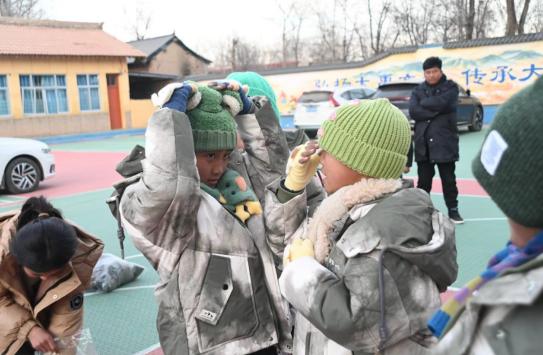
415, 20
380, 28
141, 23
293, 17
20, 8
513, 25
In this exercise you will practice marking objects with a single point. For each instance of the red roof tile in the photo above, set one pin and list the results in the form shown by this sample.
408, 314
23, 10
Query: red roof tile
39, 37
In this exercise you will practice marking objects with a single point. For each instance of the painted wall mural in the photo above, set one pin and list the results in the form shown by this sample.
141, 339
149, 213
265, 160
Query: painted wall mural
492, 73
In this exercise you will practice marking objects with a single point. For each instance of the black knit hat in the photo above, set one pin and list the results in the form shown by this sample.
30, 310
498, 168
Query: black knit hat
44, 244
432, 62
509, 165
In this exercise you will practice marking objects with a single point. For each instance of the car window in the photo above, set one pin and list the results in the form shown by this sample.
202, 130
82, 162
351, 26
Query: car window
314, 96
394, 91
346, 95
462, 91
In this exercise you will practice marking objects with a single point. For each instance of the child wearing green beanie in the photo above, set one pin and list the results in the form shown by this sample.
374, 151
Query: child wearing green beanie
365, 272
500, 311
197, 217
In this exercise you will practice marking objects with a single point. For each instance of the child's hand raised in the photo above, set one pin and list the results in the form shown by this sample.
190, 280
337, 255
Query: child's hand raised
233, 85
302, 165
298, 249
175, 96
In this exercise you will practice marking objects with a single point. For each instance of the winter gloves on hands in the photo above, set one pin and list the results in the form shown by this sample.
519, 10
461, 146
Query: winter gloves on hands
175, 96
232, 85
302, 166
298, 249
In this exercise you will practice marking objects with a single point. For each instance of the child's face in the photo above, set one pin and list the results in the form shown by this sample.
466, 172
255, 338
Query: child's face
336, 175
211, 165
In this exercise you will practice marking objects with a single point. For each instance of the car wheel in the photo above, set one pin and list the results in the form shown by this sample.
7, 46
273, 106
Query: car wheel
22, 175
311, 133
477, 123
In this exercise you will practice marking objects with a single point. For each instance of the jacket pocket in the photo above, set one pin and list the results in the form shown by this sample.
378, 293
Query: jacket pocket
226, 309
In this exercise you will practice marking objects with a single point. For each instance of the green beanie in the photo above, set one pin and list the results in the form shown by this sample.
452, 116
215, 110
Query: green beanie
371, 137
509, 165
213, 127
258, 86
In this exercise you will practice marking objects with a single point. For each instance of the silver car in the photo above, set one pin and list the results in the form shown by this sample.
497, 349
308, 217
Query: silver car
24, 163
314, 107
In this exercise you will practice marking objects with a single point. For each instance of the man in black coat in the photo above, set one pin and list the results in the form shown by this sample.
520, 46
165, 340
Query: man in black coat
433, 107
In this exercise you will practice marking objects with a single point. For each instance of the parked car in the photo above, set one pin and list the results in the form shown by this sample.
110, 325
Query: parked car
24, 163
313, 107
470, 110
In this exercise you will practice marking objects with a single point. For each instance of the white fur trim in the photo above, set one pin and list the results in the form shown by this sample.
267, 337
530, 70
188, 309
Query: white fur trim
233, 105
164, 94
194, 100
341, 202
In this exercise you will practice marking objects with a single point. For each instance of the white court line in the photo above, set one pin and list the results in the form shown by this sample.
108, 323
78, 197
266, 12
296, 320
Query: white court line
121, 289
148, 350
485, 219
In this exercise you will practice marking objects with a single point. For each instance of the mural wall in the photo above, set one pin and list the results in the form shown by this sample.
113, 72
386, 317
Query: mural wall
492, 73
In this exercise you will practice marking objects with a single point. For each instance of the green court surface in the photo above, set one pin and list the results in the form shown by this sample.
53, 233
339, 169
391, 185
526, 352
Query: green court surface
123, 321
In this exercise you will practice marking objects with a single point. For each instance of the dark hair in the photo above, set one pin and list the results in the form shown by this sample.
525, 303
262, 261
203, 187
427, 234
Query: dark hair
45, 242
33, 208
432, 62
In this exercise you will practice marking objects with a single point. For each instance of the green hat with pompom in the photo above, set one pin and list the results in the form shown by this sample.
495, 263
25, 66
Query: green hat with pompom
211, 119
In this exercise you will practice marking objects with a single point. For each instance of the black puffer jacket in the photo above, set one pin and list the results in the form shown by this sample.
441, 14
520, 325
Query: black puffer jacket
433, 107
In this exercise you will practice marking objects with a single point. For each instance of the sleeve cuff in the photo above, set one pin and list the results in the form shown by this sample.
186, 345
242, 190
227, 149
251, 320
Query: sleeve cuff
26, 328
284, 194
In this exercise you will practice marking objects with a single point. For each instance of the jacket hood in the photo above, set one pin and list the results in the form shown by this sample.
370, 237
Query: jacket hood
388, 218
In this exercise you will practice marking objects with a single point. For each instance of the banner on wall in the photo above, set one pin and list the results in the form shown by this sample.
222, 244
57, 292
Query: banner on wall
492, 73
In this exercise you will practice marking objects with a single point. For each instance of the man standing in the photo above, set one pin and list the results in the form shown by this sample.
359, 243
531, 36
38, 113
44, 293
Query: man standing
433, 107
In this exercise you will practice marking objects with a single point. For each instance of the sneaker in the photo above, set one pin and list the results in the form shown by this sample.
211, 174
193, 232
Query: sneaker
455, 216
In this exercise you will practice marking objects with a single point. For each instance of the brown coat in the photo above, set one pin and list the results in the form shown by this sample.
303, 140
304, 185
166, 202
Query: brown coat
58, 305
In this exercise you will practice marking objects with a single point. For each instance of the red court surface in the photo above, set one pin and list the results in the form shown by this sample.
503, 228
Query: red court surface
77, 172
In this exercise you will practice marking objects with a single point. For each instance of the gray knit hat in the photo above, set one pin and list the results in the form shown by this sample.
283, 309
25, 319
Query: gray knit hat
509, 165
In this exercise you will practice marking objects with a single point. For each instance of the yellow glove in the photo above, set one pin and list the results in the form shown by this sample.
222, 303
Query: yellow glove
299, 174
299, 248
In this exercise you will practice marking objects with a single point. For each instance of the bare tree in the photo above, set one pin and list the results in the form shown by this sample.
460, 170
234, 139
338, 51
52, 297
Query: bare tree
292, 20
379, 33
20, 8
238, 54
415, 20
141, 24
516, 26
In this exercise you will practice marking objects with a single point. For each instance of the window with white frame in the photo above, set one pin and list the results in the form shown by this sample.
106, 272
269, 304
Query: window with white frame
43, 94
4, 105
89, 97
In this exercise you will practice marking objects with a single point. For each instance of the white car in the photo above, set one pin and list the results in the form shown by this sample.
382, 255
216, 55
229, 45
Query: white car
24, 163
314, 107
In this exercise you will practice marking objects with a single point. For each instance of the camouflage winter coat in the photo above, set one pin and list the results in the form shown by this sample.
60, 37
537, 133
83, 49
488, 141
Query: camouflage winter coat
386, 254
219, 291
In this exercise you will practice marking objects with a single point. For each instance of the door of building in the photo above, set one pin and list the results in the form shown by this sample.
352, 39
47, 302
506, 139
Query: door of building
115, 118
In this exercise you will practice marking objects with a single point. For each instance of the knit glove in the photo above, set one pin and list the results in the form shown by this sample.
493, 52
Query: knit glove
174, 96
233, 85
298, 249
299, 174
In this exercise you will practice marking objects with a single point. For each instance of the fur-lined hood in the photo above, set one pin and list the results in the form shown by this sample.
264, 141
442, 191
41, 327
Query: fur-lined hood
337, 205
386, 216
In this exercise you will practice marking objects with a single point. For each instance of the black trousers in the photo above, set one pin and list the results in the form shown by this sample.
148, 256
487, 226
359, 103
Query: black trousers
426, 172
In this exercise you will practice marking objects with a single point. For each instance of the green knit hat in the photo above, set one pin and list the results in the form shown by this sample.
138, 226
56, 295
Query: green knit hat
509, 165
371, 137
213, 127
258, 86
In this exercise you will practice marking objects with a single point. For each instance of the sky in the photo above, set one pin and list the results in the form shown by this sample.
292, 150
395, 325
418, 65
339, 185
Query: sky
200, 24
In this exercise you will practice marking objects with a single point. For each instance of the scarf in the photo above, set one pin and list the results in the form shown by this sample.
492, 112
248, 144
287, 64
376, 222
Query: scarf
508, 258
235, 195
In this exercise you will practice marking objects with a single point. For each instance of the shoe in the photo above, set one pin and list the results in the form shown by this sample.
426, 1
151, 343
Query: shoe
455, 216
